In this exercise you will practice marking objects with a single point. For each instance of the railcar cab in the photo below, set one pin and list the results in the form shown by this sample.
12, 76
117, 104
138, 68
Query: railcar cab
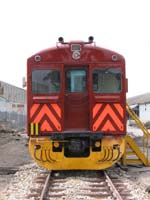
69, 86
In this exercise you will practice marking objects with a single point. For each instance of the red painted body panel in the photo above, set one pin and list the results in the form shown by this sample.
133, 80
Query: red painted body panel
79, 111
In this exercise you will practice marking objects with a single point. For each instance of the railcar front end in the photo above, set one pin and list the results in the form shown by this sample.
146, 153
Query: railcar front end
76, 106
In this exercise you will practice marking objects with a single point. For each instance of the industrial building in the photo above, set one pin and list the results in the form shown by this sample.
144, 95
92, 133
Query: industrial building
141, 106
12, 106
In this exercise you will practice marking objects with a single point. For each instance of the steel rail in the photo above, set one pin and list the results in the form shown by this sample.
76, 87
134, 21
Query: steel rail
45, 188
114, 190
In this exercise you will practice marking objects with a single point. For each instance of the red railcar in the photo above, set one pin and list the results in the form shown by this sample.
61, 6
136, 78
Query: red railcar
76, 106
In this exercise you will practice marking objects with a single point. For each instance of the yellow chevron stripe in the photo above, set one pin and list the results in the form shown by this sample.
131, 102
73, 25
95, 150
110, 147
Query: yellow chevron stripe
34, 109
45, 110
56, 108
107, 111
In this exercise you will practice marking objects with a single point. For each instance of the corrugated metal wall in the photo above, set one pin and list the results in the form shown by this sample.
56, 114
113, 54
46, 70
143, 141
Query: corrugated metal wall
12, 105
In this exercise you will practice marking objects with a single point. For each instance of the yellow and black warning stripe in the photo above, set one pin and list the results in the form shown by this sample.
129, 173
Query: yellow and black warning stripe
34, 129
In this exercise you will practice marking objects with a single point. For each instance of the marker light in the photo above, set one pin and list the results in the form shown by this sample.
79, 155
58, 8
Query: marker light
37, 58
114, 57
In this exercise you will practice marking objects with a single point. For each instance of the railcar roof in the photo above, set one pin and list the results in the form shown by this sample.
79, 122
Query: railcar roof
88, 52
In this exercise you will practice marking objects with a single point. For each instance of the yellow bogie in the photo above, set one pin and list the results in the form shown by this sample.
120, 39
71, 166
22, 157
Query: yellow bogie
112, 149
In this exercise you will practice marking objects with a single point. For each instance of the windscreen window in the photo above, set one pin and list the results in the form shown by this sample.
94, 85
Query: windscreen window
107, 80
45, 81
76, 80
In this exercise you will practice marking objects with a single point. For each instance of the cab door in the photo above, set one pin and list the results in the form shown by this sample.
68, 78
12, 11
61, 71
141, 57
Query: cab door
76, 110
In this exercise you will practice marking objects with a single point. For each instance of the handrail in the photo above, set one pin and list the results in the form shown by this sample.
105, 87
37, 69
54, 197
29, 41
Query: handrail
142, 127
137, 120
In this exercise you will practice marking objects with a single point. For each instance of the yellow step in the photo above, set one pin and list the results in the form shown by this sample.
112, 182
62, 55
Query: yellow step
133, 150
133, 161
130, 153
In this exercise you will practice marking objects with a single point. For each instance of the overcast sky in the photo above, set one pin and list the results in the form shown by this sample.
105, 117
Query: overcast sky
29, 26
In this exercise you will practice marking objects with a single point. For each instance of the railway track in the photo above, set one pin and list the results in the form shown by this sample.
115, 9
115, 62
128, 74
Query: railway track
72, 185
